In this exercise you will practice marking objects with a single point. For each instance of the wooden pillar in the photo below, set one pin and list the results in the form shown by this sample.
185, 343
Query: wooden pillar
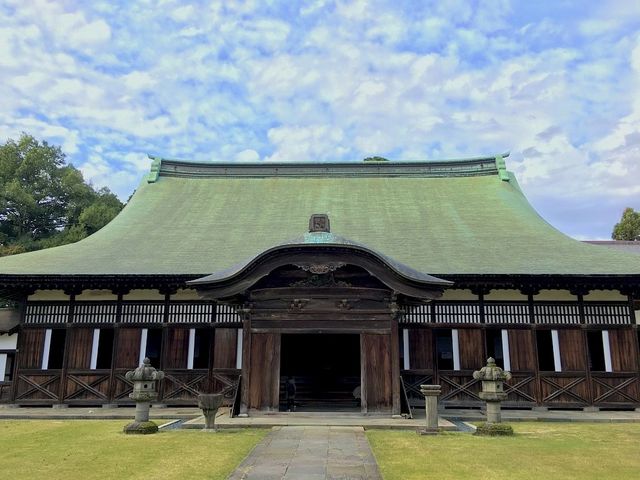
246, 361
395, 368
65, 353
363, 375
532, 332
114, 348
532, 315
585, 354
164, 342
19, 349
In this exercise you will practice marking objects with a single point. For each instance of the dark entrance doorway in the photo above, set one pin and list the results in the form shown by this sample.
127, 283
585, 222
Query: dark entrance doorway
326, 370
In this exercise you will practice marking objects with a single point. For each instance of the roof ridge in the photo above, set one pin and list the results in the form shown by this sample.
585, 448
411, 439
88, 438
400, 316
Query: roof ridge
486, 165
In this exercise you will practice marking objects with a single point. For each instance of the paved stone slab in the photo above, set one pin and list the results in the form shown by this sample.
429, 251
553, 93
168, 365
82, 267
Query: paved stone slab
320, 419
196, 420
310, 452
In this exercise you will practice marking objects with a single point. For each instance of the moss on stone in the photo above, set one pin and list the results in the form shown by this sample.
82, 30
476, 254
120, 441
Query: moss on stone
494, 429
141, 428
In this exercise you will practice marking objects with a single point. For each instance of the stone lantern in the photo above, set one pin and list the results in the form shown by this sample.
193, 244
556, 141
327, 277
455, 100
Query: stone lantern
144, 379
493, 378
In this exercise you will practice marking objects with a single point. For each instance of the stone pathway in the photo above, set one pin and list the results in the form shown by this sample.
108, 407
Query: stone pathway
310, 453
319, 419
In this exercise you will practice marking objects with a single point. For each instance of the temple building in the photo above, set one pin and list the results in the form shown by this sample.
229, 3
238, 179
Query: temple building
358, 281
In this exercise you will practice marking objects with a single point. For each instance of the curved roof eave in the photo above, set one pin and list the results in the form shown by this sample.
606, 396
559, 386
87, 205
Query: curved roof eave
319, 242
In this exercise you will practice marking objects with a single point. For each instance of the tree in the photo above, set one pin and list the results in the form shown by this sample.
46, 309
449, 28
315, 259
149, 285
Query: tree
628, 228
44, 201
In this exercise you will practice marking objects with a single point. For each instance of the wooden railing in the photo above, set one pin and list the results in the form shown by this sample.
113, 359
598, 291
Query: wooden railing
527, 389
599, 313
87, 386
183, 386
130, 312
5, 392
38, 387
518, 312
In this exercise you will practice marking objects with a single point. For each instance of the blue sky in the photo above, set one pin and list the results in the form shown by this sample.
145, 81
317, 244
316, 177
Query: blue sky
555, 82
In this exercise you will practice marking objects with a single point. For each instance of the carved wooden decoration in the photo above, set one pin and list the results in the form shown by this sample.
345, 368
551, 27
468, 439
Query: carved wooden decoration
319, 222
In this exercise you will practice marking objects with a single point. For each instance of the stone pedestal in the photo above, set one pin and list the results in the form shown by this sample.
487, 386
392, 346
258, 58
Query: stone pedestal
431, 394
142, 411
493, 412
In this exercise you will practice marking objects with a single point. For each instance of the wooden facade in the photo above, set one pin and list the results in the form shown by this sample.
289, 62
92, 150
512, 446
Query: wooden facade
350, 324
246, 336
405, 346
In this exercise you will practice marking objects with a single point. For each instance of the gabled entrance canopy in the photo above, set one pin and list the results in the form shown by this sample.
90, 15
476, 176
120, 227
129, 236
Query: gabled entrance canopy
320, 284
320, 253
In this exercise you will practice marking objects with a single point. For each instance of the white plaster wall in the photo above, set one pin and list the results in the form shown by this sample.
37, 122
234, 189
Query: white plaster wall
186, 294
505, 295
48, 295
9, 342
555, 295
458, 294
96, 295
3, 365
605, 296
143, 295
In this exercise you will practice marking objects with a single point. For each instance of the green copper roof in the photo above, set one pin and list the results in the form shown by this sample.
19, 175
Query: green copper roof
449, 217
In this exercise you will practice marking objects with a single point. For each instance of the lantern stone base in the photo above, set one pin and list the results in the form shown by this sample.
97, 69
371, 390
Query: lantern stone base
428, 431
141, 428
494, 429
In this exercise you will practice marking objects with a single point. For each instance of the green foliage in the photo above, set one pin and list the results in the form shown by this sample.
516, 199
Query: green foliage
494, 429
628, 228
45, 202
141, 428
376, 159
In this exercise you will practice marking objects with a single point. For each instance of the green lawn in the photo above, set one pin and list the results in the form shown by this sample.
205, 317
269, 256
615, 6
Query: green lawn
540, 451
97, 449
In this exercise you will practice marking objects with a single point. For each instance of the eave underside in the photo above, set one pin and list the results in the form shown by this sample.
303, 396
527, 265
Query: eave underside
16, 286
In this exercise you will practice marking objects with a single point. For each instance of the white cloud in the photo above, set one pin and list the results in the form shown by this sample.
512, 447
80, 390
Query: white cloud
183, 13
334, 81
247, 155
139, 80
316, 142
138, 161
89, 34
